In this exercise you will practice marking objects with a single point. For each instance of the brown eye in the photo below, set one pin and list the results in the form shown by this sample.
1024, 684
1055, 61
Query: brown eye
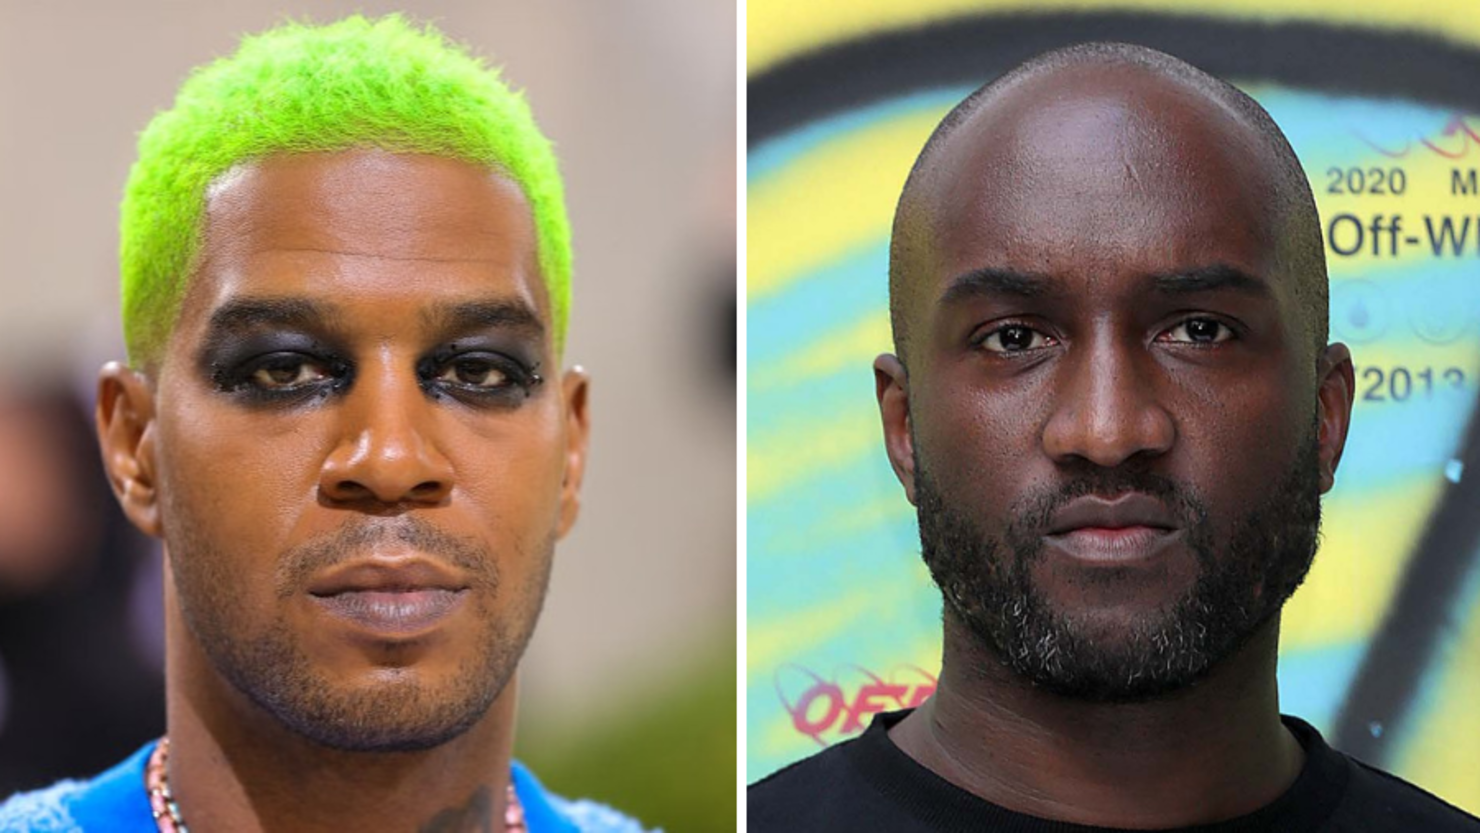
1015, 338
1199, 331
287, 373
474, 373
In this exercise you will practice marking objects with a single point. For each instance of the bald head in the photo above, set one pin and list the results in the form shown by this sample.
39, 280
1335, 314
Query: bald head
1100, 156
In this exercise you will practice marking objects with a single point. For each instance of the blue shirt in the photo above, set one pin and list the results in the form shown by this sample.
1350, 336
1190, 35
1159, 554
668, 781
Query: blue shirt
115, 802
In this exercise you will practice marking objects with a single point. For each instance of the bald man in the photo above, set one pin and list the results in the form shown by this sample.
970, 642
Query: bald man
1114, 407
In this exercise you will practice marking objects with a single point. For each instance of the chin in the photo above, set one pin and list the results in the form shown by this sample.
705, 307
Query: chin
1114, 656
397, 712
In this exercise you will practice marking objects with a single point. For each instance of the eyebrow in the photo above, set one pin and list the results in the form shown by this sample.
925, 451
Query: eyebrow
993, 282
241, 313
244, 313
475, 315
1214, 278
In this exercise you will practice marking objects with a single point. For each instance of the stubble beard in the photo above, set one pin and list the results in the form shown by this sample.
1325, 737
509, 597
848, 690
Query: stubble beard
987, 584
398, 711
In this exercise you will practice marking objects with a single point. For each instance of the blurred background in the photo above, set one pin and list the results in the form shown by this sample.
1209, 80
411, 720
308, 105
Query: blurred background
628, 688
1380, 649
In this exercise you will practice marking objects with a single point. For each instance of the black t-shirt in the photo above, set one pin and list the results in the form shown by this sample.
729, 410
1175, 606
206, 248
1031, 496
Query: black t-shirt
868, 783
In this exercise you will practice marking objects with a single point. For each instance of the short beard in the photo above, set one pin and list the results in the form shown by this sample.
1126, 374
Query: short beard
987, 583
398, 712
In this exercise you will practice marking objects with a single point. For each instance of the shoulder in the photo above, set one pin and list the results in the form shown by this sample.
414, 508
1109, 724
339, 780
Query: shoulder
47, 810
865, 783
807, 793
546, 812
591, 817
1376, 800
800, 777
113, 802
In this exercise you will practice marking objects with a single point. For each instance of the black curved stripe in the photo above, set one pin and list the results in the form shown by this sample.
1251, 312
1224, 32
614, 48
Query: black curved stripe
971, 50
1422, 611
968, 51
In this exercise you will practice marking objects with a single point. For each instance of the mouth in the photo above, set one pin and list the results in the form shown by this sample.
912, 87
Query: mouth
392, 597
403, 612
1115, 530
1113, 545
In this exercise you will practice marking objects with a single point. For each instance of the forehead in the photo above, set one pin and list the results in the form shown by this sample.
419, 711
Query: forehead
366, 225
1094, 172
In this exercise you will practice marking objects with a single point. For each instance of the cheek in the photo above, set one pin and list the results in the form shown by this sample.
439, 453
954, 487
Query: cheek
978, 442
1238, 434
245, 485
510, 471
233, 477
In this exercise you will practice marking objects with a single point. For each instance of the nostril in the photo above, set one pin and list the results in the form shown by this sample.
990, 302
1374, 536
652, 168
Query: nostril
427, 488
386, 461
346, 490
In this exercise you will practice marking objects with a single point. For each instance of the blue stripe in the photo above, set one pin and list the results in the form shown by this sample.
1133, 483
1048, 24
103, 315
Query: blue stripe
765, 158
836, 295
1313, 682
1315, 124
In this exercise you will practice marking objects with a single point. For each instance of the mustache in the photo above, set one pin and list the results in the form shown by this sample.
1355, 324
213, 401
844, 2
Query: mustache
1035, 512
353, 539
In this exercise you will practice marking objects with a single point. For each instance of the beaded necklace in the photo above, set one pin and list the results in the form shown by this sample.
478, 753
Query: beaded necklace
167, 811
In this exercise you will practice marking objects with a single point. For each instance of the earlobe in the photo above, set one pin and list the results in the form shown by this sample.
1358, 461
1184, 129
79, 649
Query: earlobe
125, 424
575, 390
891, 384
1333, 409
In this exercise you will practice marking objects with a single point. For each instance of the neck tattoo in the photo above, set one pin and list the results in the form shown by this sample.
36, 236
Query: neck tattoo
168, 819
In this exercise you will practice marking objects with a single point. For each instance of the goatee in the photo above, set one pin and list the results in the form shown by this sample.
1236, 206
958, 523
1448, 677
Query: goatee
1244, 576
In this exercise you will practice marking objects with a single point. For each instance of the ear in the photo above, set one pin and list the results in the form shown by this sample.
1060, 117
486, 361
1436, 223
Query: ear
1338, 387
125, 418
892, 385
575, 387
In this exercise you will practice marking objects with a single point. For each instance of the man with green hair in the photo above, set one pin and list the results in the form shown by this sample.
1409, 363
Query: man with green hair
346, 278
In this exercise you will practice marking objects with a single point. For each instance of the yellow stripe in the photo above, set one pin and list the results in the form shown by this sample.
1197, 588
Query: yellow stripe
889, 508
804, 447
781, 638
780, 29
830, 201
1349, 587
1433, 757
850, 349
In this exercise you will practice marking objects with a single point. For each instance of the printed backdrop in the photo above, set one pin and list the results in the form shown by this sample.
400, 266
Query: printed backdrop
1381, 647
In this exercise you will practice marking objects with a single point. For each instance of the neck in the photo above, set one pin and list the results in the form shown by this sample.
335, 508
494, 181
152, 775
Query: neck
232, 766
1207, 753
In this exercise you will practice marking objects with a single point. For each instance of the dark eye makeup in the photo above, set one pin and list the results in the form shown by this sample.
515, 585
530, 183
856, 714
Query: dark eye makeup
277, 368
288, 369
480, 373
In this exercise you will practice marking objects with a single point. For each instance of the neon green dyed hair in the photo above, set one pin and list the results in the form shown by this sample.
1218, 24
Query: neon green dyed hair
379, 83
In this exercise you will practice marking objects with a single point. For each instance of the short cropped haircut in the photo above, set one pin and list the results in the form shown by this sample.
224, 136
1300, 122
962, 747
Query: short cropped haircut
379, 83
1301, 248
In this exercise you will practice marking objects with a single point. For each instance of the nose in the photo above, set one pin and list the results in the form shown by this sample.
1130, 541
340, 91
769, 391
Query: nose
1106, 408
386, 452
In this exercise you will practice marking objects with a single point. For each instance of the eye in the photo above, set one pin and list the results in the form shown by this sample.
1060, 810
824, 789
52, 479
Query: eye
1198, 331
474, 372
480, 373
1016, 338
284, 372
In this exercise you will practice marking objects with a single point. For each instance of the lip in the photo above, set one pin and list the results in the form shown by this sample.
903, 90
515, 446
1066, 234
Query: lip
1128, 510
1127, 528
393, 613
390, 597
386, 575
